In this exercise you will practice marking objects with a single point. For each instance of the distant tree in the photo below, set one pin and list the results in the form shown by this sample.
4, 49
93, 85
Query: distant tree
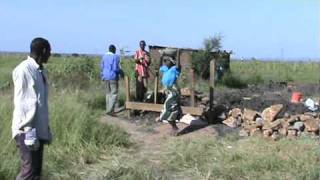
56, 55
212, 43
201, 60
75, 55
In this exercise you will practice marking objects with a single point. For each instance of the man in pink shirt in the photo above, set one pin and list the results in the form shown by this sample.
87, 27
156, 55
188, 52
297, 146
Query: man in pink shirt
142, 59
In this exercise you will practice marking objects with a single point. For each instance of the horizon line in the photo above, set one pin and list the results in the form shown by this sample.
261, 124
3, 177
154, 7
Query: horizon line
235, 57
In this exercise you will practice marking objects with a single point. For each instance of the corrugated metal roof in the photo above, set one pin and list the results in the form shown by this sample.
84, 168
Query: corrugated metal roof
183, 49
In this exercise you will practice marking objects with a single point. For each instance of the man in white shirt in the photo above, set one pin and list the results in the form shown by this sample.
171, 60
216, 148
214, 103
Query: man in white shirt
30, 123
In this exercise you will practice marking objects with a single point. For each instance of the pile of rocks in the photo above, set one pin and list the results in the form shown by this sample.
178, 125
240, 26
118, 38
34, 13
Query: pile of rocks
269, 125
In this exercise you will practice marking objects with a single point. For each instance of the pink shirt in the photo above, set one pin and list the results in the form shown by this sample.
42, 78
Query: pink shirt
142, 67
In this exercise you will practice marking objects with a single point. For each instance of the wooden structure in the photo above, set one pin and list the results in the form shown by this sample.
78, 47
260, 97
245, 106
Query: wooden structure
197, 111
222, 56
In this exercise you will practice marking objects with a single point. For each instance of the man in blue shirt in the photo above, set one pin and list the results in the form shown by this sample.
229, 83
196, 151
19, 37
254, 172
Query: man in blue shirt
110, 71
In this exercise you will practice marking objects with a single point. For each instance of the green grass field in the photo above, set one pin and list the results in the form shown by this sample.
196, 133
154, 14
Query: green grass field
259, 71
77, 103
75, 108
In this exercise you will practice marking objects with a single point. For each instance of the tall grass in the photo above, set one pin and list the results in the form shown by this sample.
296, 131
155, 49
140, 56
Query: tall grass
78, 137
77, 102
253, 158
74, 113
264, 71
7, 63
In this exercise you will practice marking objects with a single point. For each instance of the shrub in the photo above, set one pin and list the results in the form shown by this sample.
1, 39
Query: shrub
78, 136
200, 61
232, 81
75, 72
128, 67
255, 79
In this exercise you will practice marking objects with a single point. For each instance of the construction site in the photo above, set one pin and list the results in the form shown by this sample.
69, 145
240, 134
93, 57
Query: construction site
271, 110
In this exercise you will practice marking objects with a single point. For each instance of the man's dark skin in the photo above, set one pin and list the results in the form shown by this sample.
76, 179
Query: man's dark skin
142, 47
113, 50
41, 58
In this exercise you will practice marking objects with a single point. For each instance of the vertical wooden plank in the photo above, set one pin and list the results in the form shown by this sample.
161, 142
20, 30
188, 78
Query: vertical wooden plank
127, 84
178, 57
212, 75
319, 82
192, 89
156, 82
319, 73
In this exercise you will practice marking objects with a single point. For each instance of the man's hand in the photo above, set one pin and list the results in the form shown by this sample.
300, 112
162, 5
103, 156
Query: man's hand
141, 59
121, 74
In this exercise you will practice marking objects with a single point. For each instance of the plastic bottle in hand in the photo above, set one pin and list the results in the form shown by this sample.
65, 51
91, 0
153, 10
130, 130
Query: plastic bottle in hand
31, 140
141, 59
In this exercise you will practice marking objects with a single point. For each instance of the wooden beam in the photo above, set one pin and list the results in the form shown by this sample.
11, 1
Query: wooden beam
211, 95
192, 98
178, 57
127, 84
212, 78
158, 108
156, 82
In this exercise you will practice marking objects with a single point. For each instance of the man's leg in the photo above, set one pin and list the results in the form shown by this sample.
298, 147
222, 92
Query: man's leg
139, 89
145, 87
31, 161
108, 92
113, 95
37, 158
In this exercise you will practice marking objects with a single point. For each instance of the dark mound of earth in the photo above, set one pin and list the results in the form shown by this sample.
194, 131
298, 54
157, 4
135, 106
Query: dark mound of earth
259, 97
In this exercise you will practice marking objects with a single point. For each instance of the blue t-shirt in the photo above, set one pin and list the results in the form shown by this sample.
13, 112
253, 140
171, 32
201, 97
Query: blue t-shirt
110, 67
170, 76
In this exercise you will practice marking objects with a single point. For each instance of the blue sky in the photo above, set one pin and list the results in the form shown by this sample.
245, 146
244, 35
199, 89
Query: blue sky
250, 28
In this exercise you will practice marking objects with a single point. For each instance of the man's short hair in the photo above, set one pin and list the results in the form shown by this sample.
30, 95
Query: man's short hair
38, 44
112, 48
142, 41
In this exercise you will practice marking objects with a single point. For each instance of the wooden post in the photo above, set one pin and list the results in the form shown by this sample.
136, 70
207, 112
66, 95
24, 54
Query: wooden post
212, 78
156, 82
192, 98
319, 73
319, 80
127, 84
178, 57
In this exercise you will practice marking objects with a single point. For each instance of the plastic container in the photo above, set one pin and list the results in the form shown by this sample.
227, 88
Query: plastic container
296, 97
168, 52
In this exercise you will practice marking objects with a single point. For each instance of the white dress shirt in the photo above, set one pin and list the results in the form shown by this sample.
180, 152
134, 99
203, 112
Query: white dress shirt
30, 99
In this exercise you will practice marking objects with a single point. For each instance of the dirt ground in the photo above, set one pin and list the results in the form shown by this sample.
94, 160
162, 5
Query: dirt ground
260, 97
255, 97
149, 135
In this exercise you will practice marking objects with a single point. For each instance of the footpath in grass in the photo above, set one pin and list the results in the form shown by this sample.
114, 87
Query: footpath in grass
203, 154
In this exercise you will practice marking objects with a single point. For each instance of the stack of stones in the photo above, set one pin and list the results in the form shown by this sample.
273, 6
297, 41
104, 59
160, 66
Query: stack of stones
269, 125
